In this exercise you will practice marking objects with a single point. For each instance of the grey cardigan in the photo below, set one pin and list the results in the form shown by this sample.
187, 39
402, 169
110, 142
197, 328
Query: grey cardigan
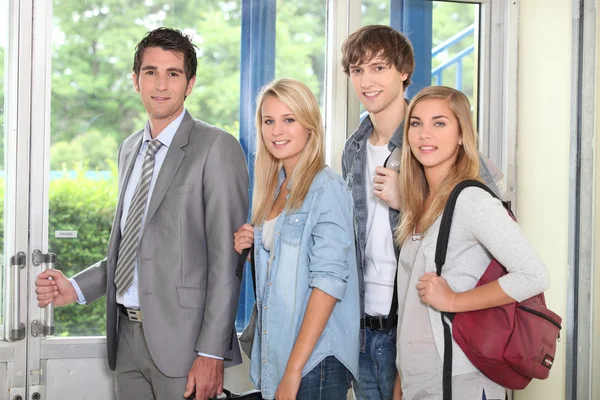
481, 228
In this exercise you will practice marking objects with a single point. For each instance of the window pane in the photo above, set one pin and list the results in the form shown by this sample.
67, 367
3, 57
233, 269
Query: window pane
94, 107
454, 40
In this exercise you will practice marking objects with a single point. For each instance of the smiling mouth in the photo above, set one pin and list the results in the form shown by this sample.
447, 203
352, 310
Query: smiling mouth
427, 149
372, 94
160, 98
280, 143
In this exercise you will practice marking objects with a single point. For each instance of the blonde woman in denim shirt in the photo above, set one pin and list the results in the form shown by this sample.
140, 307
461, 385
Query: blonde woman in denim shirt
306, 342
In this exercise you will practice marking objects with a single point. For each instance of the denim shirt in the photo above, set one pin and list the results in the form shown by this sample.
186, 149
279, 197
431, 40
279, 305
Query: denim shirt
353, 171
313, 248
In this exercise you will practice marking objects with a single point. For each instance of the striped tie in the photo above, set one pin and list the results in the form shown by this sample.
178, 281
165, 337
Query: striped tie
130, 241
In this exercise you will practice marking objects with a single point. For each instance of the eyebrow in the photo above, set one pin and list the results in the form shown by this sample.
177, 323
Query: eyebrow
284, 115
154, 68
439, 116
370, 63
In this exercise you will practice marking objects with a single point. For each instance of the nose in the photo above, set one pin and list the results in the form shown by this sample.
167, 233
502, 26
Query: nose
424, 133
277, 129
161, 82
367, 80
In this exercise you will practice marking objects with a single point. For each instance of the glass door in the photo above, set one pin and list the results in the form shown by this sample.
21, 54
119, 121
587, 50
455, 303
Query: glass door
15, 64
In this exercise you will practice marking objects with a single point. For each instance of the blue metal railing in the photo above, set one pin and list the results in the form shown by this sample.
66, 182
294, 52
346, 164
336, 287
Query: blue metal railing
436, 73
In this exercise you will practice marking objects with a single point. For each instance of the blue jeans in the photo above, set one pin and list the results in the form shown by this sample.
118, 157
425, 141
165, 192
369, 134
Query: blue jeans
329, 380
377, 366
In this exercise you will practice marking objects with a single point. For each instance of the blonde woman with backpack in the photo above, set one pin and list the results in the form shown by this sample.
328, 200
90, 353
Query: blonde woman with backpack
440, 151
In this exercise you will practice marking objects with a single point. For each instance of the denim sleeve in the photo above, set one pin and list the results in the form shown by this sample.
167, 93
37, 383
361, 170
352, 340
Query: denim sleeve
332, 240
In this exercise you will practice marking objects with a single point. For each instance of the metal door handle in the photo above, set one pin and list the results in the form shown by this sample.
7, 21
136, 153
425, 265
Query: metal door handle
49, 261
13, 328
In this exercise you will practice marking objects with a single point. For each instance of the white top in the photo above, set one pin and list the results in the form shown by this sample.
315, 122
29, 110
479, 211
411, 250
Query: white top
380, 259
268, 231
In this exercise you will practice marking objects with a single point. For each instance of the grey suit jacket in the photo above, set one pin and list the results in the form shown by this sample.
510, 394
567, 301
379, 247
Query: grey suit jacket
186, 261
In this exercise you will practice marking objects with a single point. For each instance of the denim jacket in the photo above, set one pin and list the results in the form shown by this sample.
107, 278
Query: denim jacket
313, 248
353, 171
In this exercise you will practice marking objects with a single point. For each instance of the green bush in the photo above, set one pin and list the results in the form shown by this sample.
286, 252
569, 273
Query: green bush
85, 205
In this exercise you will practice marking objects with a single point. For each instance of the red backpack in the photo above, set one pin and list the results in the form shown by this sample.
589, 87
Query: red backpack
509, 344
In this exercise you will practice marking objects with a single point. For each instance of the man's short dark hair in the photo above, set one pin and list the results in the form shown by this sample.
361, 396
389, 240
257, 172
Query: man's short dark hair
169, 40
379, 40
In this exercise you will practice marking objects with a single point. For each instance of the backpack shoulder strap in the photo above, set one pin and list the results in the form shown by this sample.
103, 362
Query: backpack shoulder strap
441, 248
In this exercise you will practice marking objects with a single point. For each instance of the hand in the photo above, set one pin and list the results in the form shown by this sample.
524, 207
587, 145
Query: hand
206, 376
387, 187
289, 385
243, 238
57, 290
397, 394
435, 291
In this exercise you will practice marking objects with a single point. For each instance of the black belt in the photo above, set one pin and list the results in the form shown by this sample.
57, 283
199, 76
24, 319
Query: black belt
373, 323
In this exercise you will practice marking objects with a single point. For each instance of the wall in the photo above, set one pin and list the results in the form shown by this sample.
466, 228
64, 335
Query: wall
544, 92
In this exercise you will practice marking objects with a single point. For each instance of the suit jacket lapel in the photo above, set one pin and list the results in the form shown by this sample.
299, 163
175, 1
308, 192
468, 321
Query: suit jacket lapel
170, 166
128, 163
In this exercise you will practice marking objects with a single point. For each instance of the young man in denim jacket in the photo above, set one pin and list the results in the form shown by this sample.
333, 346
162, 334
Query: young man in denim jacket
379, 62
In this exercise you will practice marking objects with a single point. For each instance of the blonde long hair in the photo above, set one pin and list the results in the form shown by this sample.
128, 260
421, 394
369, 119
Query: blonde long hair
413, 185
300, 100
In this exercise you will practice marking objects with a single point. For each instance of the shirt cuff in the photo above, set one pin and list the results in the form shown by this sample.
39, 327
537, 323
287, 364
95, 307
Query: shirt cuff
80, 296
209, 356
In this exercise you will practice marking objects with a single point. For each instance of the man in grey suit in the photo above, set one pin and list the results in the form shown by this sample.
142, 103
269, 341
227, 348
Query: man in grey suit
170, 272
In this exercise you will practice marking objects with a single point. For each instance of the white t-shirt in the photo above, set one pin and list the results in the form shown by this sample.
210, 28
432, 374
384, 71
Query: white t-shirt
380, 259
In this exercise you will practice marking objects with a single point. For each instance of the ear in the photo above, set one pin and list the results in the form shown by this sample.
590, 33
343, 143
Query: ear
190, 85
403, 76
136, 82
460, 141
